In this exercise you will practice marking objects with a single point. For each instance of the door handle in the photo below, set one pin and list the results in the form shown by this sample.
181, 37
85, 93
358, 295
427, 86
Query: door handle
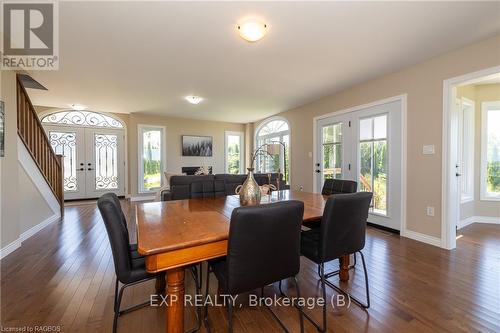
90, 169
458, 174
81, 169
318, 171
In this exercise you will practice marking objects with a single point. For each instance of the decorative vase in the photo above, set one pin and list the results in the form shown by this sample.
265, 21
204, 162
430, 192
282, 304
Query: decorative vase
249, 191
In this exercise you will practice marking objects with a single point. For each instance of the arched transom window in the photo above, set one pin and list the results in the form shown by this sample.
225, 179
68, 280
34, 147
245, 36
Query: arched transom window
82, 118
275, 130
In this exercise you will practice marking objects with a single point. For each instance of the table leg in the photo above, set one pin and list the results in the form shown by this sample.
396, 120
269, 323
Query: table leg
175, 293
344, 268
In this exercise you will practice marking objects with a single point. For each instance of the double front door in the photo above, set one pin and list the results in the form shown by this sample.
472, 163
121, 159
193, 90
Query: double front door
365, 146
93, 160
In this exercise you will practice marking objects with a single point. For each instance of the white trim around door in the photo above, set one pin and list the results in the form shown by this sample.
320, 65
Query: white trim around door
450, 199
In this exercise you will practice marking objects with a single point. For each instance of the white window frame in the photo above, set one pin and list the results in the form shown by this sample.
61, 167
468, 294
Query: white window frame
141, 128
485, 106
258, 139
242, 150
358, 141
466, 164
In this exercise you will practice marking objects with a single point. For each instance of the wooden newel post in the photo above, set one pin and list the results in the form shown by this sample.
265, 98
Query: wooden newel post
60, 182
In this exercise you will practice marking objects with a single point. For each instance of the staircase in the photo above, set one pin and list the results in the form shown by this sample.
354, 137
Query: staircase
31, 133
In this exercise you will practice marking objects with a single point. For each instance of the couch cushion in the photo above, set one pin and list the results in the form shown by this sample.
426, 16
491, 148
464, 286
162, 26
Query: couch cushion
230, 182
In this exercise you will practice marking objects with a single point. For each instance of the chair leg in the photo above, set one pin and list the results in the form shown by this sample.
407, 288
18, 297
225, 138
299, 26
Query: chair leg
303, 313
366, 280
116, 292
230, 317
117, 307
207, 296
323, 290
301, 317
355, 300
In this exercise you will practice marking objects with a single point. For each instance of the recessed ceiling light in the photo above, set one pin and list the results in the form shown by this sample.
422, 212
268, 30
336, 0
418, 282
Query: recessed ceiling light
252, 30
78, 107
193, 99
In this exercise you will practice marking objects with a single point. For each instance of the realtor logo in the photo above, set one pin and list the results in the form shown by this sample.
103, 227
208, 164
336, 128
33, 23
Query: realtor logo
30, 35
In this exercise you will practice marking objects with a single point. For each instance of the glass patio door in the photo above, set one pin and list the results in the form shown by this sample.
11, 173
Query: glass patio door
365, 146
93, 160
332, 164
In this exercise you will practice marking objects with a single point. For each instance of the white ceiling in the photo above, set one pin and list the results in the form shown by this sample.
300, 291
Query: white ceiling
145, 57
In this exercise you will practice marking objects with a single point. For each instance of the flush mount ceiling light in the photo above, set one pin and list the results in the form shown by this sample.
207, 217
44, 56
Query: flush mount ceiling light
78, 107
252, 30
193, 99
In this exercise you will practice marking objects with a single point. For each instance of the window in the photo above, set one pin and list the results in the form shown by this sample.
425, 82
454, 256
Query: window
234, 152
373, 160
490, 151
81, 118
275, 130
152, 155
332, 151
466, 149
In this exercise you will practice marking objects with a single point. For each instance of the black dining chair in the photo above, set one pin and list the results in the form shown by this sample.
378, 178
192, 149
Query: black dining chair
263, 248
342, 232
130, 267
339, 186
333, 187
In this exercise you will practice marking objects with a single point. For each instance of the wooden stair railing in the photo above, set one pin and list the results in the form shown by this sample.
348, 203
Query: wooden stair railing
30, 130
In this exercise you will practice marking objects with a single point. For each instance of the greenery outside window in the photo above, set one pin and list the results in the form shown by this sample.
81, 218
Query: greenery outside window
234, 162
152, 155
490, 151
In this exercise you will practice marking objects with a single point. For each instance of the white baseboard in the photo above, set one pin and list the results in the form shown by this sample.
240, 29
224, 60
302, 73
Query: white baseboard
478, 219
5, 251
143, 198
33, 230
431, 240
27, 234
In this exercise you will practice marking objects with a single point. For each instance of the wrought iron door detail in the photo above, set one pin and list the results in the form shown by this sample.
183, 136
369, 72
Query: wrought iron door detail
106, 161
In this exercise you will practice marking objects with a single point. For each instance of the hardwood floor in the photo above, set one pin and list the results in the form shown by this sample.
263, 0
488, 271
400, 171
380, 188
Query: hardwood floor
64, 276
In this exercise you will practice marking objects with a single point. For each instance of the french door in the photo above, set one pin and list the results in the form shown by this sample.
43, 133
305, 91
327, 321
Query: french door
365, 146
93, 160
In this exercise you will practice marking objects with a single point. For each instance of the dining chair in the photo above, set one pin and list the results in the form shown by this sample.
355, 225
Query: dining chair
130, 267
342, 232
333, 187
263, 248
339, 186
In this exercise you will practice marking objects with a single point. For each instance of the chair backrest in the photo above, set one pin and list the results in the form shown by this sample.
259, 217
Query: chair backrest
264, 245
343, 225
339, 186
116, 201
117, 234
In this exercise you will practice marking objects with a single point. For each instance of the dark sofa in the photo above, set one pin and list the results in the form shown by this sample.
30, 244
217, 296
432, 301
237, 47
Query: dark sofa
210, 186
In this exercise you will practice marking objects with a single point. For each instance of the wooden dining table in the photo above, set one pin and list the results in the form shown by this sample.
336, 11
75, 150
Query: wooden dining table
175, 234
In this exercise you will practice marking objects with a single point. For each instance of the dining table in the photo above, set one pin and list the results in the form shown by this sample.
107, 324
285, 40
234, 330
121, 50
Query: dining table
173, 235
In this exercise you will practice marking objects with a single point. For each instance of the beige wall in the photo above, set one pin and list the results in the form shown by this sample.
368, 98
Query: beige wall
10, 229
175, 128
423, 83
479, 94
38, 210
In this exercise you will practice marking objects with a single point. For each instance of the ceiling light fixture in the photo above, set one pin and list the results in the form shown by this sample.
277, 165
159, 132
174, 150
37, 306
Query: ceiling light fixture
78, 107
252, 30
194, 99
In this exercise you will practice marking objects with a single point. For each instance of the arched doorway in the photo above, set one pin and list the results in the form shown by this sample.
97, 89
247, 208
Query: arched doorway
93, 147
